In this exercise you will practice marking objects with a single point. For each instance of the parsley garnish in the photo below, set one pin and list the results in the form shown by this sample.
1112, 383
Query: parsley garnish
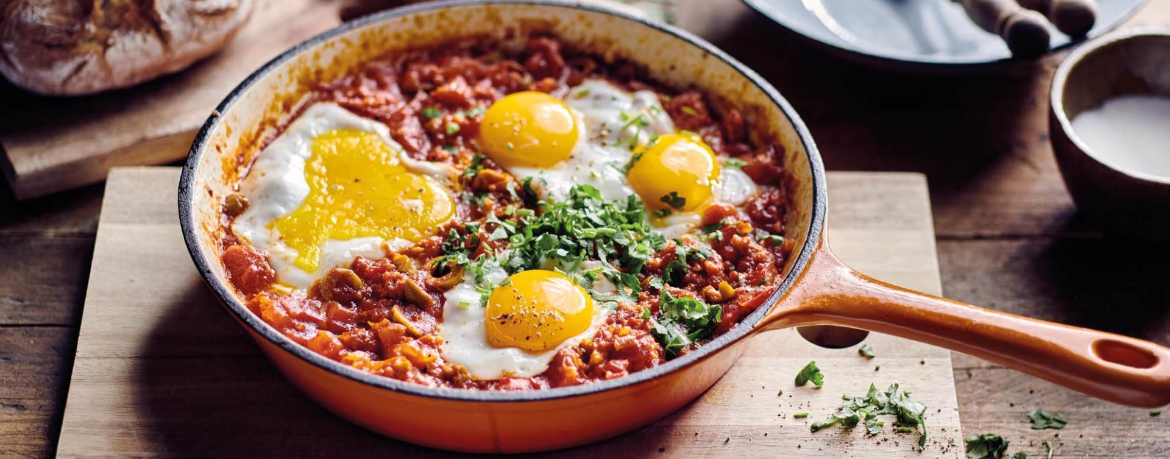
1049, 446
910, 414
683, 321
452, 128
583, 93
662, 213
988, 445
689, 111
431, 113
800, 415
866, 351
475, 166
714, 226
630, 163
734, 163
473, 112
677, 268
585, 227
674, 200
1042, 419
1155, 412
810, 372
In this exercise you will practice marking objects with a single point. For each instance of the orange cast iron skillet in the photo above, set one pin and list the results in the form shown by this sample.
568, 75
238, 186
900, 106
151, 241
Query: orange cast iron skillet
817, 288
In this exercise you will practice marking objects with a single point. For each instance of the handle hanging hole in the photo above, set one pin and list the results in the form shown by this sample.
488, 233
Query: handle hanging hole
832, 337
1123, 353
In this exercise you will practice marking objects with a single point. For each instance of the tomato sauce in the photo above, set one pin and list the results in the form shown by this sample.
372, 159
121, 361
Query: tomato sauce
382, 316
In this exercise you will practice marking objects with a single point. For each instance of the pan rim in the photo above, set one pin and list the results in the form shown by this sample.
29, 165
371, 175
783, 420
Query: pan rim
231, 302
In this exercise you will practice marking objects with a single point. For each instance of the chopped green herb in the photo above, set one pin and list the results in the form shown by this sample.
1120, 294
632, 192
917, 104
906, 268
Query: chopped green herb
674, 200
585, 226
910, 415
452, 128
734, 163
475, 166
630, 163
683, 321
866, 351
690, 111
810, 372
662, 213
473, 112
510, 145
583, 93
431, 113
801, 415
984, 446
1049, 446
1042, 419
1155, 412
714, 226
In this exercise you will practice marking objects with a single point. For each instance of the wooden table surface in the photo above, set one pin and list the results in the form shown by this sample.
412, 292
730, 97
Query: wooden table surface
1009, 236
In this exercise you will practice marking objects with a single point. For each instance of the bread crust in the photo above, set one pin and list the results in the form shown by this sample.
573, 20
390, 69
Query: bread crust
73, 47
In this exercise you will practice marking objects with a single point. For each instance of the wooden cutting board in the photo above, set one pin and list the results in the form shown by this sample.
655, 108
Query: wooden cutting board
163, 371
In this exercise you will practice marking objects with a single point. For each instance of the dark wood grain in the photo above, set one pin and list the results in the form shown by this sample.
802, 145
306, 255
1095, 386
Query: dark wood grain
1010, 237
35, 363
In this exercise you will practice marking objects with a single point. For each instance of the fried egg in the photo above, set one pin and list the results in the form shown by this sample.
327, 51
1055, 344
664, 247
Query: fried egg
522, 321
335, 186
619, 142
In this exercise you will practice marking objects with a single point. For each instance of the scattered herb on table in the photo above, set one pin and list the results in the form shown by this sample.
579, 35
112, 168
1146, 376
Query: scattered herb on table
988, 445
866, 351
801, 415
909, 414
1042, 419
810, 372
1155, 412
1050, 449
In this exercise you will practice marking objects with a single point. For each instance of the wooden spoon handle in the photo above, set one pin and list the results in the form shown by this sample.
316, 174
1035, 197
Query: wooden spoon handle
1024, 31
1104, 365
1072, 17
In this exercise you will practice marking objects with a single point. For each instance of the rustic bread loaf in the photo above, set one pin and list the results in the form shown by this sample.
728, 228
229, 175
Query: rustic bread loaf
67, 47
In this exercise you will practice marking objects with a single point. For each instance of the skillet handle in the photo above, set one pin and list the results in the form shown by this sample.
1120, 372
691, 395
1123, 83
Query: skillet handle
1104, 365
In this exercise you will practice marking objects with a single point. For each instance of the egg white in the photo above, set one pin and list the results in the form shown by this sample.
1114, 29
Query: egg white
464, 330
603, 112
275, 186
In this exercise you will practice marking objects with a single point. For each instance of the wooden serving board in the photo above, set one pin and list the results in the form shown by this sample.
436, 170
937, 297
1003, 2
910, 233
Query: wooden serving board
163, 371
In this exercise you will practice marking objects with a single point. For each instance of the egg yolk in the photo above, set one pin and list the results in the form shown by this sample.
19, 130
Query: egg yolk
359, 188
537, 311
528, 129
675, 172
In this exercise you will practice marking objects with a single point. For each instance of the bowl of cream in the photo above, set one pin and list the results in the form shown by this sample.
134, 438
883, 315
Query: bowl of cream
1110, 130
